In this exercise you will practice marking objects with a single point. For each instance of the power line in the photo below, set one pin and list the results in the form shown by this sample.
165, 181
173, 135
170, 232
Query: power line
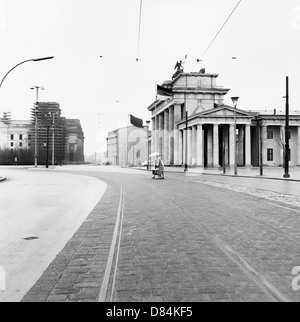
221, 29
139, 34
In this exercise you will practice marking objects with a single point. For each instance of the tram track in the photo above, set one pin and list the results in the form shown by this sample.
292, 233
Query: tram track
267, 287
264, 224
107, 288
108, 285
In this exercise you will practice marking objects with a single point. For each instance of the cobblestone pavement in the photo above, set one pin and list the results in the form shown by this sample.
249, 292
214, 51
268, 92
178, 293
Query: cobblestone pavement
182, 239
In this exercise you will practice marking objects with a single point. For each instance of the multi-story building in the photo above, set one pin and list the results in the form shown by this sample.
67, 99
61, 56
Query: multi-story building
14, 140
50, 125
75, 141
207, 138
127, 146
55, 134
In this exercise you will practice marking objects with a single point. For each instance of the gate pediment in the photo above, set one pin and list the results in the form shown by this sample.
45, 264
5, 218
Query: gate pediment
225, 112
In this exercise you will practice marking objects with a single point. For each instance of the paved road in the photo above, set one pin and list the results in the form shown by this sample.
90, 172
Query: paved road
49, 206
180, 239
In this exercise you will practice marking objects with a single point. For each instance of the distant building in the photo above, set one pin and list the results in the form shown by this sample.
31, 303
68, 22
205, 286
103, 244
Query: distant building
127, 146
14, 141
75, 141
17, 138
210, 127
49, 122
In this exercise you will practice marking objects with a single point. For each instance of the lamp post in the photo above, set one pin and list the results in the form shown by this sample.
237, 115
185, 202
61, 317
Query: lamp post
36, 107
148, 122
235, 101
287, 132
186, 143
23, 62
47, 159
53, 134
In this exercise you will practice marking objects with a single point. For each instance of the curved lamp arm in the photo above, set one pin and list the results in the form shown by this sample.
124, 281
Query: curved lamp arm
25, 61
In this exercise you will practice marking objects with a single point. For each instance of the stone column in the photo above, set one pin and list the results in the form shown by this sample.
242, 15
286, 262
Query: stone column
166, 138
216, 145
231, 145
264, 145
171, 134
190, 146
157, 134
177, 150
248, 145
153, 136
180, 146
298, 162
161, 133
194, 145
184, 146
199, 145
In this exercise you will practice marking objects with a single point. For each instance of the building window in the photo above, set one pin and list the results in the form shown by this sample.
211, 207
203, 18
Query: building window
270, 135
12, 144
270, 156
20, 144
12, 137
21, 137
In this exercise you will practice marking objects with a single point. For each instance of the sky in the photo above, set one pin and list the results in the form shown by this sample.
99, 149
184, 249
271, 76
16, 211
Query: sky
264, 36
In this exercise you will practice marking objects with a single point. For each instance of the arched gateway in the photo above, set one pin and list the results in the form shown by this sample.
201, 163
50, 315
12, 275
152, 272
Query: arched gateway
208, 132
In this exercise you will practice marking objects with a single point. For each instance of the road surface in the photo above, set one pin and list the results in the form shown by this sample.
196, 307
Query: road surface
39, 212
186, 238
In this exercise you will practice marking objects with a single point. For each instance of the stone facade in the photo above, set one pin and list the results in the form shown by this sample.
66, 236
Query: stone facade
74, 141
14, 134
127, 146
17, 138
15, 142
209, 133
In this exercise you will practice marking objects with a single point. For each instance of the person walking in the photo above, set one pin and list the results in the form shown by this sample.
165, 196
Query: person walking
159, 168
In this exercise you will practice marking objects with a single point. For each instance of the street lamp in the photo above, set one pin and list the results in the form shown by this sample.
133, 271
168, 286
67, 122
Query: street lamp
47, 155
147, 122
36, 106
53, 128
25, 61
186, 143
287, 133
235, 101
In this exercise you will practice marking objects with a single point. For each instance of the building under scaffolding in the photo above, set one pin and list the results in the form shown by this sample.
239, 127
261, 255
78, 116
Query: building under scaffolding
58, 139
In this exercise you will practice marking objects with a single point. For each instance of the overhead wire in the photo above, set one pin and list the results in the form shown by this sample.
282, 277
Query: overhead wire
219, 31
139, 33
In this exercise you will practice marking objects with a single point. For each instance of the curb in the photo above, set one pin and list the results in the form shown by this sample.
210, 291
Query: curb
250, 177
227, 175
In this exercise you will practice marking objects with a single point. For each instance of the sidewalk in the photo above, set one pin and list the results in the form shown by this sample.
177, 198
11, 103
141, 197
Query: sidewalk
268, 172
274, 173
